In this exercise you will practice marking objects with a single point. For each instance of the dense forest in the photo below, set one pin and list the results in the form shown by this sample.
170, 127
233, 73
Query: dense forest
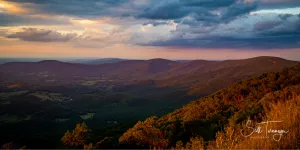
220, 120
215, 121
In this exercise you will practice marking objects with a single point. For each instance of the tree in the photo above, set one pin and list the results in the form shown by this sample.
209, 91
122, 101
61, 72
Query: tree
145, 134
77, 138
195, 143
88, 146
179, 145
107, 142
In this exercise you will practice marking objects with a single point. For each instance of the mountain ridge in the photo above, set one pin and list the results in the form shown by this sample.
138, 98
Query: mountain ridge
197, 75
225, 109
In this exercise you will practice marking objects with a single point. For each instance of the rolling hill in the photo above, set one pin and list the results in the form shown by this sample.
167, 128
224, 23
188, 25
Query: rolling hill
97, 61
196, 74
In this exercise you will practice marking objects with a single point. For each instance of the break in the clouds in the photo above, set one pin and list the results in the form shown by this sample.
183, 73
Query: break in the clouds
215, 24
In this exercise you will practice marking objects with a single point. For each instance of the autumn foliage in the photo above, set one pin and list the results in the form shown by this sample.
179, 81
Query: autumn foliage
287, 112
145, 134
76, 138
216, 121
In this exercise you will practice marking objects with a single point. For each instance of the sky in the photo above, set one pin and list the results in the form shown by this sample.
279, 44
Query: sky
145, 29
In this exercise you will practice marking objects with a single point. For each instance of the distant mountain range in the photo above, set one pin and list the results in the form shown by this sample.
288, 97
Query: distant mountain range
82, 61
90, 61
97, 61
197, 77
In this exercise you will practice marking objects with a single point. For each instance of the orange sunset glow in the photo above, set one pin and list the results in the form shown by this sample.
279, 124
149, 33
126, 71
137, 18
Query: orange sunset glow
31, 29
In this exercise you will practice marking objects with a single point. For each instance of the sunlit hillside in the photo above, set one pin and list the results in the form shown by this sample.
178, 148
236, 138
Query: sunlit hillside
216, 121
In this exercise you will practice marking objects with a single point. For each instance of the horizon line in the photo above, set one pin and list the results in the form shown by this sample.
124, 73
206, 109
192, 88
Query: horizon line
37, 59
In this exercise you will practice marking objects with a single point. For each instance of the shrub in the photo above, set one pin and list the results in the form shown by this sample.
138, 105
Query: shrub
77, 137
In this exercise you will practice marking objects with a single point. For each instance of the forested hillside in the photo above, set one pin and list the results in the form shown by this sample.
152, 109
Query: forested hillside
216, 121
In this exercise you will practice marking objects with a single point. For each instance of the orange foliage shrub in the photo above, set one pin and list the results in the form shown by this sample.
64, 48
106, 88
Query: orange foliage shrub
77, 137
286, 111
144, 134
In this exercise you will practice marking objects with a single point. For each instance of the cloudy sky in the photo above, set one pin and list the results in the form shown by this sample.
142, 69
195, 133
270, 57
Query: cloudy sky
143, 29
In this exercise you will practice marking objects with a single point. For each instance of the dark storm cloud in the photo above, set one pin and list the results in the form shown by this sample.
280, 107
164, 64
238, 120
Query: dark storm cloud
284, 16
80, 8
166, 9
203, 27
155, 9
199, 23
198, 12
238, 9
207, 3
291, 29
201, 10
111, 2
264, 25
267, 34
232, 43
269, 4
156, 23
15, 20
41, 35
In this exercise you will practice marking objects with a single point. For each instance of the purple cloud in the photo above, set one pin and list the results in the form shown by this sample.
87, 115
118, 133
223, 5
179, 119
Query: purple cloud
41, 35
